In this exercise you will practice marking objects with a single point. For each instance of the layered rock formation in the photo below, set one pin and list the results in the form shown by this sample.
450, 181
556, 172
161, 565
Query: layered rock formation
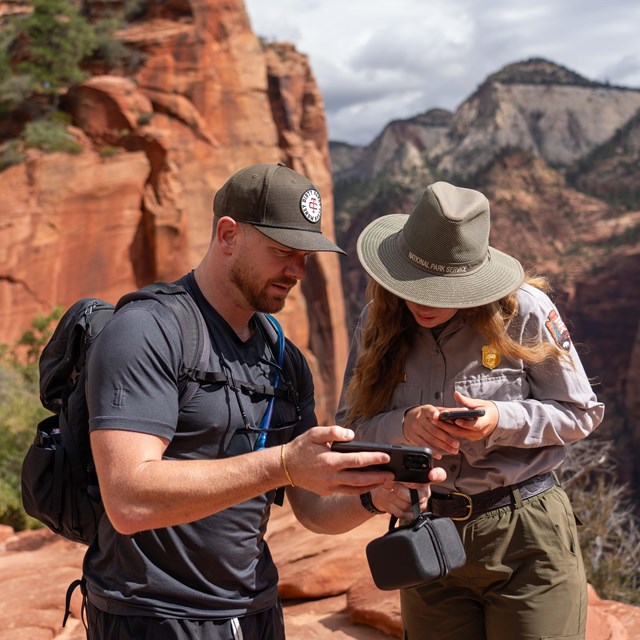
536, 106
135, 205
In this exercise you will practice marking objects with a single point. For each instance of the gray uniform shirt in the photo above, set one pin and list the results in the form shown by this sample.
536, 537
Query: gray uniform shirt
219, 566
542, 407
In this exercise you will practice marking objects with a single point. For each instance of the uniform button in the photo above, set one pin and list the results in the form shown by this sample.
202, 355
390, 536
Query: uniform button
453, 467
436, 395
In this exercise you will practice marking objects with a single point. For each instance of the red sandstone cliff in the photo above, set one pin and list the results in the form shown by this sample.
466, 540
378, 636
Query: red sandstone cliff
135, 205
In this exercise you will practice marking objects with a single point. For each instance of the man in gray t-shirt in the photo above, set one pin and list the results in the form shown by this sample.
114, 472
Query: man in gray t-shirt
187, 493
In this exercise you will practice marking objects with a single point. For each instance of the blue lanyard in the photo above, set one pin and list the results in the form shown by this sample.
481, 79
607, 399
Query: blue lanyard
266, 418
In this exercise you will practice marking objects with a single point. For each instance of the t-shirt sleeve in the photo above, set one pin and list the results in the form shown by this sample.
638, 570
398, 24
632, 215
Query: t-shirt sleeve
132, 372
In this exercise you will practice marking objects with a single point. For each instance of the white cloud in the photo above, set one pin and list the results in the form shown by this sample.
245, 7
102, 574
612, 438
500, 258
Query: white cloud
627, 69
376, 61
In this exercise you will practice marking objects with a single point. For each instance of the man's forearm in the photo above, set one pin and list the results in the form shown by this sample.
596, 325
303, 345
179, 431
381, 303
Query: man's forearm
332, 514
151, 493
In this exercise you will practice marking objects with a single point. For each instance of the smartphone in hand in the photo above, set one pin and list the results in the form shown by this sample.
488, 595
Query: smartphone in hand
460, 414
408, 463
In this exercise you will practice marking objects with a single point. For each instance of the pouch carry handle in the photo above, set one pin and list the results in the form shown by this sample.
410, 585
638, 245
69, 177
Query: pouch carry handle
415, 506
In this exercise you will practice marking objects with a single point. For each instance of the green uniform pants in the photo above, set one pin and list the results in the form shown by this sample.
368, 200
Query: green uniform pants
523, 579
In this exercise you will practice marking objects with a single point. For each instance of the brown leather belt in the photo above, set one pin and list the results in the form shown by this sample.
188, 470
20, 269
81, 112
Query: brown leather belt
460, 506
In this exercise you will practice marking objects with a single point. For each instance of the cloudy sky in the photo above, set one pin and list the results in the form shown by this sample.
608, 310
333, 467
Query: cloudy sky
379, 60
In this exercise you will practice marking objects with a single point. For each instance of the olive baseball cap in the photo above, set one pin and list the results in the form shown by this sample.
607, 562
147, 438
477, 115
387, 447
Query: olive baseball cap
439, 255
281, 203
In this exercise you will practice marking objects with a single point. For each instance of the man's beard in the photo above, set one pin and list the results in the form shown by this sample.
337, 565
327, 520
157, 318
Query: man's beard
255, 291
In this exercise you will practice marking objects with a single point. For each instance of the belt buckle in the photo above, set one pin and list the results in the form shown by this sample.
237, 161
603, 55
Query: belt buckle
468, 506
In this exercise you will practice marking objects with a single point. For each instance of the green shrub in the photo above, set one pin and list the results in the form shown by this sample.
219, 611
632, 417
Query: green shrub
114, 53
145, 118
54, 46
7, 34
10, 154
109, 151
20, 412
134, 9
610, 531
14, 89
49, 136
58, 39
34, 339
5, 66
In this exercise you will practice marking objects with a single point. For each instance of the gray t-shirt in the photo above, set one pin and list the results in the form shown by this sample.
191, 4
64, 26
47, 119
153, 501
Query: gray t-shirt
219, 566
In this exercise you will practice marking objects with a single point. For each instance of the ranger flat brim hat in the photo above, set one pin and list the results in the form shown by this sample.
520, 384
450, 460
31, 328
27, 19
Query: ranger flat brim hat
439, 255
281, 203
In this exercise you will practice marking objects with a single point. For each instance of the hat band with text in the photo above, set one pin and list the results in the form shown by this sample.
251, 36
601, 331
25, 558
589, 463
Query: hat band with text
438, 268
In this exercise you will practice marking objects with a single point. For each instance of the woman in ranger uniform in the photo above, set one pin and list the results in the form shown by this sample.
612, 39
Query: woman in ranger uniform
453, 323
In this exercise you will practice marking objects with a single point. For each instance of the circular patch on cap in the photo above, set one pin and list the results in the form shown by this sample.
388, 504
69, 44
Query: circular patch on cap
311, 205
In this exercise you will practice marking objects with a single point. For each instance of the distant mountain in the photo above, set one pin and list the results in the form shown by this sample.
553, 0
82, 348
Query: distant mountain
539, 71
535, 106
558, 157
400, 149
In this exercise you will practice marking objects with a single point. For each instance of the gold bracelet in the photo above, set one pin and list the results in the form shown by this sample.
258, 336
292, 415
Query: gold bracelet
284, 466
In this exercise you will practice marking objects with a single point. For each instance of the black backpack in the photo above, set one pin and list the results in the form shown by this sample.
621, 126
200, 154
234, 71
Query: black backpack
59, 483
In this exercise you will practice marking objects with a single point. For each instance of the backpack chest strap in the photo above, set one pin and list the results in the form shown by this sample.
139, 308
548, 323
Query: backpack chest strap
217, 377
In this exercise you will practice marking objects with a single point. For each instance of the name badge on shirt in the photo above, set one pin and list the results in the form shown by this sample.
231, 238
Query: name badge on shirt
490, 357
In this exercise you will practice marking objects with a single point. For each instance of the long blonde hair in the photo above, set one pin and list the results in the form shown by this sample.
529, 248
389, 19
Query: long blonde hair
388, 332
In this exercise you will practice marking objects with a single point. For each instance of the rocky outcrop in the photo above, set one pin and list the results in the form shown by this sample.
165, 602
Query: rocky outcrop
400, 150
135, 205
611, 170
534, 106
325, 584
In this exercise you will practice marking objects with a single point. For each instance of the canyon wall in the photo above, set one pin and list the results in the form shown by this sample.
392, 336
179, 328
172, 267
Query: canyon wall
136, 204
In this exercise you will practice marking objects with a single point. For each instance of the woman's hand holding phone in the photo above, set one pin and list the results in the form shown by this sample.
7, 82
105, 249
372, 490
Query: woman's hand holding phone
474, 420
425, 425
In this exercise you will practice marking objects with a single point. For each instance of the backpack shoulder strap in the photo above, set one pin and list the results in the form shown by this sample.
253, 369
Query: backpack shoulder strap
283, 349
272, 325
290, 367
285, 361
196, 343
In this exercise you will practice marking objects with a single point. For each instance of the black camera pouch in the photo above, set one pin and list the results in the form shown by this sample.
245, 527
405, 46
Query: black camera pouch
424, 550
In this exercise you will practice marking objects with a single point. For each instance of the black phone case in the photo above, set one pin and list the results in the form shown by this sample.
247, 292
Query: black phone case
459, 414
408, 463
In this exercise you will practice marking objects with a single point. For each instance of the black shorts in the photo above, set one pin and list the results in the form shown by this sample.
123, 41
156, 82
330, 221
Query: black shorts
266, 625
